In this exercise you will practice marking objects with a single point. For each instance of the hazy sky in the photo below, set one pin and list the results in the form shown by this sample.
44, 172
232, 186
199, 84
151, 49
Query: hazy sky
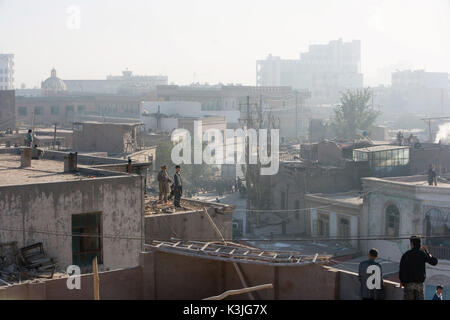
219, 41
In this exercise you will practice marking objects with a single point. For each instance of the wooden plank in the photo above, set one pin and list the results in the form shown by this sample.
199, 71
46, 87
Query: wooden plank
241, 277
96, 279
240, 291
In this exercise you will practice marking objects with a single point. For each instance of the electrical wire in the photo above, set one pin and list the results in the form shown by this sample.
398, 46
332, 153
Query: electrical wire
121, 237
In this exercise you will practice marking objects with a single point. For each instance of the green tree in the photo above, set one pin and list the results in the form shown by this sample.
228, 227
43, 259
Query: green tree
355, 113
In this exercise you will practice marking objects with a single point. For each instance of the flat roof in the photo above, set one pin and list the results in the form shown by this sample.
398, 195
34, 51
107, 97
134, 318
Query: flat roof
41, 171
418, 180
381, 148
353, 197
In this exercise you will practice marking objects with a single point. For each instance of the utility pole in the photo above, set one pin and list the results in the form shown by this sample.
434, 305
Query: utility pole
296, 114
54, 138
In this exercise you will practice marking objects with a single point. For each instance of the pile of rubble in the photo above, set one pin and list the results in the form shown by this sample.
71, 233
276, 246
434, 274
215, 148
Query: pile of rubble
30, 262
154, 206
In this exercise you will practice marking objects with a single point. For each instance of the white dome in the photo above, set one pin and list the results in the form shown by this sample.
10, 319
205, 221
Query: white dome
53, 84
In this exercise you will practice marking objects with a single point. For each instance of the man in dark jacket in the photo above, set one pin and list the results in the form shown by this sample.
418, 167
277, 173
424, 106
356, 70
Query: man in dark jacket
371, 277
432, 176
412, 269
178, 184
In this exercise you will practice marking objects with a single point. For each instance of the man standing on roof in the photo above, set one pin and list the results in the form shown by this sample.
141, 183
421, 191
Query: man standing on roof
178, 186
29, 138
164, 180
371, 277
412, 272
432, 175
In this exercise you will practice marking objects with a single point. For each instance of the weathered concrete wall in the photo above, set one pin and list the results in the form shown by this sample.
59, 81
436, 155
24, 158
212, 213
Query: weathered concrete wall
7, 109
122, 284
83, 159
162, 275
329, 154
181, 277
106, 137
188, 226
35, 212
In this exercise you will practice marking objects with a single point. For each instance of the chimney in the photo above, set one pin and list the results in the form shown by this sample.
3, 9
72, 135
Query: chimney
70, 162
25, 158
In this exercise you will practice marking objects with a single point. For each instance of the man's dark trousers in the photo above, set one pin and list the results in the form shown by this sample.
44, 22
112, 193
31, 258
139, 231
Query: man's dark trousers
178, 193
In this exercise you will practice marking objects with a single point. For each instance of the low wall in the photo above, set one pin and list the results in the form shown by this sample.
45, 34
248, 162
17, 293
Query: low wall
176, 277
83, 159
163, 275
193, 225
124, 284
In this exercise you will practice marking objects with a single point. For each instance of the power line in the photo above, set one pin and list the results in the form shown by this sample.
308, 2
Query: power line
121, 237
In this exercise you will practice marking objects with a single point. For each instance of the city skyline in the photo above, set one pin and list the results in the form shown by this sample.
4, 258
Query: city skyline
214, 43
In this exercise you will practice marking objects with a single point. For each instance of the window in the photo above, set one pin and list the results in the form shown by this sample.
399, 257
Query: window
54, 110
344, 228
22, 111
392, 221
84, 249
323, 225
39, 111
81, 109
437, 223
70, 109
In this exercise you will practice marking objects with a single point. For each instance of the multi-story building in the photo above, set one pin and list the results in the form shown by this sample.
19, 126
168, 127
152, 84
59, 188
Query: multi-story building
6, 71
325, 70
65, 109
282, 102
7, 109
420, 91
127, 83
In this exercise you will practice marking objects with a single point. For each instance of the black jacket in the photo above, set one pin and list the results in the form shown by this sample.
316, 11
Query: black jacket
412, 265
177, 180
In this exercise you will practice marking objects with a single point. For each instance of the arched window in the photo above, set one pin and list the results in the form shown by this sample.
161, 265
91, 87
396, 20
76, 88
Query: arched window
437, 223
392, 221
344, 228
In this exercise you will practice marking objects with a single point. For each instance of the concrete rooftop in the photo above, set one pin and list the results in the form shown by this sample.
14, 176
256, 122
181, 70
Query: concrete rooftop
419, 180
351, 198
41, 171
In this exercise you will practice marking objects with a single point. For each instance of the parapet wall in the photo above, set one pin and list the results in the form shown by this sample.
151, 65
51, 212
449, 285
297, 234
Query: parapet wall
193, 225
163, 275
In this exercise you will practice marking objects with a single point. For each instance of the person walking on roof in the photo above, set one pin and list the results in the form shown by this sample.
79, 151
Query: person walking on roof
412, 272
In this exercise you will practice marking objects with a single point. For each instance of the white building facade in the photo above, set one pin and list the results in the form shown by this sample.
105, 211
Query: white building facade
325, 70
6, 71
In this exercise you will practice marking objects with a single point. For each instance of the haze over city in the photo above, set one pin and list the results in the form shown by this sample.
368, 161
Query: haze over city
217, 41
211, 149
